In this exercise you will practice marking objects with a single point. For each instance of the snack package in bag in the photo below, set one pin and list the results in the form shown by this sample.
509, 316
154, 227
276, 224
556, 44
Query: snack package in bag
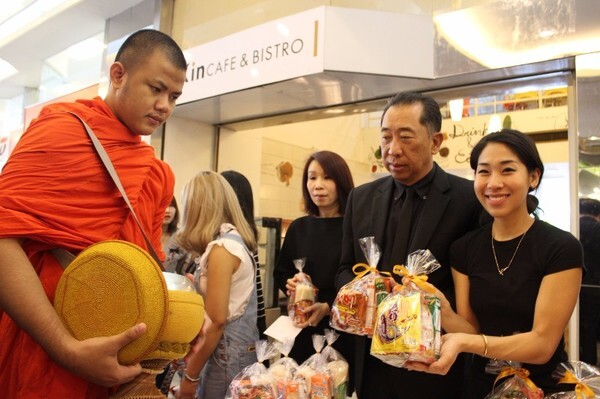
408, 325
584, 378
315, 374
284, 371
517, 386
254, 381
302, 297
355, 305
337, 365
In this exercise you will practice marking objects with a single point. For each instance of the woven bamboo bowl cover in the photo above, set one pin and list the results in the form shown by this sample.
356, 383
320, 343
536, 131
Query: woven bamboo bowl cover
109, 287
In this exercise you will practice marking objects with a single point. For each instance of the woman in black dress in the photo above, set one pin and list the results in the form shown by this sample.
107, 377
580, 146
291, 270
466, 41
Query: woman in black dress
516, 279
326, 183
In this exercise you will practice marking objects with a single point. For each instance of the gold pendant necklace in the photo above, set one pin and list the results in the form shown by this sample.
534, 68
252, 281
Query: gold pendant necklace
501, 271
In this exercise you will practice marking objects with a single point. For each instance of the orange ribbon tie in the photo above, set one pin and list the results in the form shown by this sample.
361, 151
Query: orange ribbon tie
581, 390
419, 280
522, 373
360, 269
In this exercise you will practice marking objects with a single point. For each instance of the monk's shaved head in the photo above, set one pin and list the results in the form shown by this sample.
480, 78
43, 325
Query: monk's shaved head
141, 44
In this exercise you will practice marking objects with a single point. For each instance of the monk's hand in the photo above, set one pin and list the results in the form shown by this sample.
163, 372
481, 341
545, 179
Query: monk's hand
449, 352
316, 312
95, 359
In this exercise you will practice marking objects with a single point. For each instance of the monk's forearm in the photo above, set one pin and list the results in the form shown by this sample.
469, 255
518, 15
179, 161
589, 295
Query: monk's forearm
23, 298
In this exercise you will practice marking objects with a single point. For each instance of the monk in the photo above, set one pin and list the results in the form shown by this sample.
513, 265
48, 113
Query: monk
55, 193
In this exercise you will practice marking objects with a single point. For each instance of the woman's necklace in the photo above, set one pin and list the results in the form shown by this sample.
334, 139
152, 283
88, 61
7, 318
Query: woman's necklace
501, 271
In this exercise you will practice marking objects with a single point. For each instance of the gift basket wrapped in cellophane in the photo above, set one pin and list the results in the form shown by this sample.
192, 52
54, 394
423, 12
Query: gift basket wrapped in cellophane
516, 384
355, 306
285, 370
408, 324
255, 381
584, 378
337, 365
303, 296
315, 373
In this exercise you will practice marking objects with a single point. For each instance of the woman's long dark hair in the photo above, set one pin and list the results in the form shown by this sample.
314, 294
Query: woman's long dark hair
172, 227
243, 190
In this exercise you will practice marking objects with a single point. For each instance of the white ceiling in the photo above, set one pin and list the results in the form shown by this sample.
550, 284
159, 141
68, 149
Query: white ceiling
27, 52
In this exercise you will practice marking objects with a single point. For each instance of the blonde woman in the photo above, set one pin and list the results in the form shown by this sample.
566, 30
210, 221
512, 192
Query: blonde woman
214, 228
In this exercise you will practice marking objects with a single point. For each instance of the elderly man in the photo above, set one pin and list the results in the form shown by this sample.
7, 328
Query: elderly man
419, 206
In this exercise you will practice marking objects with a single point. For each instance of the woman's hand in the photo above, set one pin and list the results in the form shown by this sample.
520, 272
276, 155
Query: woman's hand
316, 311
451, 347
186, 389
290, 284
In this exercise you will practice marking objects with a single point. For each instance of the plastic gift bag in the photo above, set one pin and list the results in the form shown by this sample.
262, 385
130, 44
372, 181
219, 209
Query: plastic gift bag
584, 377
284, 371
337, 365
355, 305
518, 386
408, 325
254, 381
315, 374
302, 297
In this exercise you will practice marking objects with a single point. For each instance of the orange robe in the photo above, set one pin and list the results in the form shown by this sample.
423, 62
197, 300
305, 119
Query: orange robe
55, 192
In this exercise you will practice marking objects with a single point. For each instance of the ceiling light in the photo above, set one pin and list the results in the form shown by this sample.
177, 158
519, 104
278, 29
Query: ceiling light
472, 34
588, 65
456, 109
6, 69
495, 124
545, 34
31, 16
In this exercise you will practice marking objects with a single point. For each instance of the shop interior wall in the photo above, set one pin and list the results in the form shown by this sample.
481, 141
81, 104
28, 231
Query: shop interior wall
188, 147
262, 155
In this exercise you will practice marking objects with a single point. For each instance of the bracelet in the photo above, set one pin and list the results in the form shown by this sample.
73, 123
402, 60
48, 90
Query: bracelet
485, 345
191, 379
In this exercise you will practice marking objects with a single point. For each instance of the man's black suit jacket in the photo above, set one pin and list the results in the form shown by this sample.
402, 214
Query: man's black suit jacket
450, 210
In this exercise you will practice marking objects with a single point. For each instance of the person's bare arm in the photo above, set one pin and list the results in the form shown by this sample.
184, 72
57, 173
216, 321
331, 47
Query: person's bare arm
221, 266
554, 305
23, 298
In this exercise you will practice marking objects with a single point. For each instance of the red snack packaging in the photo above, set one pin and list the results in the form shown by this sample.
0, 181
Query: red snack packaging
355, 306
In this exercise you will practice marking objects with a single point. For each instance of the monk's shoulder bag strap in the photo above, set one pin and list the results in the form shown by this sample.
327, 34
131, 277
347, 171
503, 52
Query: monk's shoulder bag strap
65, 257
